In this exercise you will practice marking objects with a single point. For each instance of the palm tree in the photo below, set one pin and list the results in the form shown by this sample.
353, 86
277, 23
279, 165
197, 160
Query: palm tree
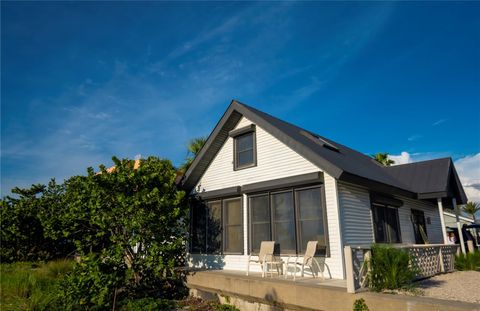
194, 147
471, 208
383, 159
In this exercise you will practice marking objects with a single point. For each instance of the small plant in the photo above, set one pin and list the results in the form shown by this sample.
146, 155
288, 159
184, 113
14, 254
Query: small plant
148, 304
390, 269
360, 305
470, 261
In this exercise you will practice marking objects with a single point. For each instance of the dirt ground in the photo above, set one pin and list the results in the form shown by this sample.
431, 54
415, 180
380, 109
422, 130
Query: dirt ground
459, 285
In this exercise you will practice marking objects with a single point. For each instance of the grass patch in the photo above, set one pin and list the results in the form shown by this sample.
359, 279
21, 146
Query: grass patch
31, 286
470, 261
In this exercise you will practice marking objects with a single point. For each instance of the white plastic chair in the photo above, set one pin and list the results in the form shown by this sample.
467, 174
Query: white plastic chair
308, 259
265, 255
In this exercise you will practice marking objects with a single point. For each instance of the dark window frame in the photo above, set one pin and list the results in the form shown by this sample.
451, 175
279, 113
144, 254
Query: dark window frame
250, 130
388, 234
298, 241
203, 249
414, 211
224, 226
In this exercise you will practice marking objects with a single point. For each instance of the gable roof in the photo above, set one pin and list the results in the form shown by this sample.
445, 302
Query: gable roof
337, 160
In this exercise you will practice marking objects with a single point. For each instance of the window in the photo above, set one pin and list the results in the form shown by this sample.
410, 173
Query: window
260, 221
419, 227
233, 224
198, 229
291, 218
284, 221
309, 216
385, 223
214, 227
244, 149
217, 227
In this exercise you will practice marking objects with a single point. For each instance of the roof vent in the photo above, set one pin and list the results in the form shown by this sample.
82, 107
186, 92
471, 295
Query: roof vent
317, 139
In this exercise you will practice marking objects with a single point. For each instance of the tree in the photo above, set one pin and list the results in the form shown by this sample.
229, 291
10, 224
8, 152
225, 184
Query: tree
383, 159
471, 208
194, 147
23, 232
129, 225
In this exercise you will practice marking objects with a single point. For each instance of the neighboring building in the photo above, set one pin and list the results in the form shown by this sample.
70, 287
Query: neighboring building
264, 179
451, 220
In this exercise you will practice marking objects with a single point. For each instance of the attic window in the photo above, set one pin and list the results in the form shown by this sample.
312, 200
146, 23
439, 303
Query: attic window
317, 139
244, 147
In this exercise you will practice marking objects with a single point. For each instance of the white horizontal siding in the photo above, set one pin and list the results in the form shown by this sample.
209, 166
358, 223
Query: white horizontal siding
434, 229
357, 227
274, 160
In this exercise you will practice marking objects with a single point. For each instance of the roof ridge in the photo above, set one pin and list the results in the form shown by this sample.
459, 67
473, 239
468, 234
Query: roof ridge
418, 162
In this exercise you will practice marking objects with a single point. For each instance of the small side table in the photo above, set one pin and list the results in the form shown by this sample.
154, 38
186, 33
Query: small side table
268, 266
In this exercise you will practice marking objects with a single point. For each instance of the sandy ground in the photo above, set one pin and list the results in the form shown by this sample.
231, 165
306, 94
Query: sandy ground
459, 285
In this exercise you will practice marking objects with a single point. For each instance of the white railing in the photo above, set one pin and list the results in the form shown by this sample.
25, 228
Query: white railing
428, 260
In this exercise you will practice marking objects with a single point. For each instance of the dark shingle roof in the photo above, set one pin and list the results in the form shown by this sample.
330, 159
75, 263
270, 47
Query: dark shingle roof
337, 160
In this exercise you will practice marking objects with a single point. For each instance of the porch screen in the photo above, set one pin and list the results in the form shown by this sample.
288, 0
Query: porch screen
310, 217
233, 224
198, 230
214, 227
260, 221
291, 218
284, 221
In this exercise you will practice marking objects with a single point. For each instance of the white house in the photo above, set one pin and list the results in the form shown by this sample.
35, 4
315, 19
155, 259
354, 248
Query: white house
262, 179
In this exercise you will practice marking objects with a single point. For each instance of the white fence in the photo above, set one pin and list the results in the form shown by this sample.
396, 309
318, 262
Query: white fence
428, 260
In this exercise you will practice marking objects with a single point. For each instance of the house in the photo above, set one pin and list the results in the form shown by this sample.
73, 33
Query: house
261, 178
451, 220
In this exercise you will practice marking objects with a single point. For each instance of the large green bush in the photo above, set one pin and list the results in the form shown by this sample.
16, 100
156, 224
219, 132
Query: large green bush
25, 219
129, 226
470, 261
390, 269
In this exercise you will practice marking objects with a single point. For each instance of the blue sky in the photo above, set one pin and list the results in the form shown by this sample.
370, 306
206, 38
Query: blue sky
84, 81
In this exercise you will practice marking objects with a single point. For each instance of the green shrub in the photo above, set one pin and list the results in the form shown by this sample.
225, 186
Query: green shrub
470, 261
92, 284
226, 308
28, 286
360, 305
390, 269
147, 304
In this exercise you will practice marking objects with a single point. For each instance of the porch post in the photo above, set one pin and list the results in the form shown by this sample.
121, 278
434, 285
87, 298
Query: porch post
459, 227
442, 220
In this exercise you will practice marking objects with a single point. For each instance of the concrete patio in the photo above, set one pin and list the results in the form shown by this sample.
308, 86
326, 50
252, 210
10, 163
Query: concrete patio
275, 293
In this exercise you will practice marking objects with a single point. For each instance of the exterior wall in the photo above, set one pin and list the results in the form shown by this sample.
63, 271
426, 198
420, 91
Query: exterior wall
434, 229
274, 160
357, 226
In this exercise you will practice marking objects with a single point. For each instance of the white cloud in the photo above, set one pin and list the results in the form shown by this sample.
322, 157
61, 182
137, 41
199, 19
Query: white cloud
438, 122
468, 169
414, 137
402, 158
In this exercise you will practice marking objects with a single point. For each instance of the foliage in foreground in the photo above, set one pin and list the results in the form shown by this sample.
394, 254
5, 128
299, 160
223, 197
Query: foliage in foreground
470, 261
39, 286
390, 269
25, 219
360, 305
129, 226
32, 286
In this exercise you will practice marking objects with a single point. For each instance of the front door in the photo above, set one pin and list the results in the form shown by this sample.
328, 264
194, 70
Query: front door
419, 227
